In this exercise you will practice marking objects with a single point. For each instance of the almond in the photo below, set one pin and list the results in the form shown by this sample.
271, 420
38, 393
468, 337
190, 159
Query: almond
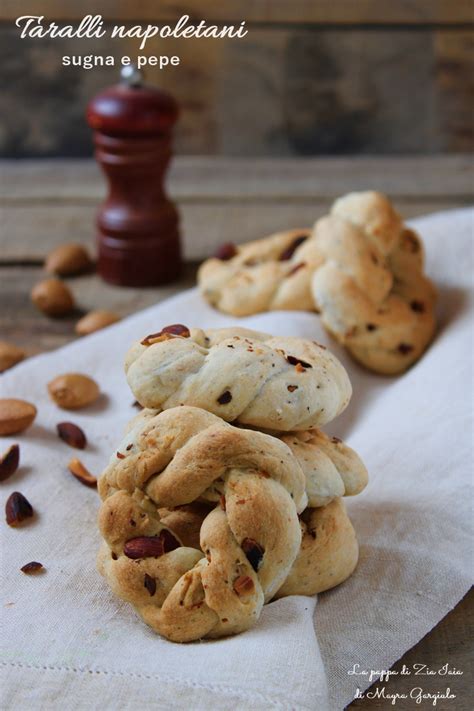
52, 297
15, 415
72, 391
71, 434
32, 568
243, 585
17, 509
9, 462
95, 321
82, 474
68, 259
151, 546
166, 333
10, 355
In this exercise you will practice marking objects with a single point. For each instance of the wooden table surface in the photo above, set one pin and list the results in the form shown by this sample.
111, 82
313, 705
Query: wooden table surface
46, 203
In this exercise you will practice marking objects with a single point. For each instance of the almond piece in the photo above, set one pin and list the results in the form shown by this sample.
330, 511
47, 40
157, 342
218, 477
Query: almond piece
15, 415
9, 462
71, 434
68, 259
17, 509
10, 355
52, 297
72, 391
95, 321
32, 568
82, 474
166, 333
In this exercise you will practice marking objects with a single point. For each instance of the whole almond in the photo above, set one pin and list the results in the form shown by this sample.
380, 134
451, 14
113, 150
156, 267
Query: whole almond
151, 546
68, 259
15, 415
17, 509
71, 434
9, 462
72, 391
94, 321
10, 355
52, 297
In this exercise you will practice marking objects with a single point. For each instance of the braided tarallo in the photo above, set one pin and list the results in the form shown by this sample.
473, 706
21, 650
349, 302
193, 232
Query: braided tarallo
243, 376
264, 275
329, 549
371, 290
248, 541
360, 267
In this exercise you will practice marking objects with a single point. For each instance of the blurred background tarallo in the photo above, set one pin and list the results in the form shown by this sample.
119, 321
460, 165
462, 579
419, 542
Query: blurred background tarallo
312, 77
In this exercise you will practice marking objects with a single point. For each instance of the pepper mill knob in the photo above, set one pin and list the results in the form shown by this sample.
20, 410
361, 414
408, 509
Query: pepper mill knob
138, 236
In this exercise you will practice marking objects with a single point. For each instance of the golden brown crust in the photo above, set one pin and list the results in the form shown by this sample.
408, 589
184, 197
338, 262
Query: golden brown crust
249, 539
329, 551
371, 291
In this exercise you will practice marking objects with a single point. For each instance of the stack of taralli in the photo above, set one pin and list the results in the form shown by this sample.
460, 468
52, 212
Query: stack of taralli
360, 267
224, 494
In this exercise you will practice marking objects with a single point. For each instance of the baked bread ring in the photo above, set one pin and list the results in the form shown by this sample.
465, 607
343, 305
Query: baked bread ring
240, 375
361, 268
329, 551
250, 539
370, 290
265, 275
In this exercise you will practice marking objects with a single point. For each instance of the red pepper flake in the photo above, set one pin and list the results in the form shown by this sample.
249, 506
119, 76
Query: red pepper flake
32, 568
292, 388
225, 398
293, 360
405, 348
243, 585
150, 584
291, 249
120, 455
418, 307
128, 447
222, 502
226, 251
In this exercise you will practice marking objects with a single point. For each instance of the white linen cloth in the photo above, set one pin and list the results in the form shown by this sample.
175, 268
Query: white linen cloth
68, 642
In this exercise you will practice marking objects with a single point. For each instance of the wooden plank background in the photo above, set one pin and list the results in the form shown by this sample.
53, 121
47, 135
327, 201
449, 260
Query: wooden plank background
311, 77
257, 11
44, 203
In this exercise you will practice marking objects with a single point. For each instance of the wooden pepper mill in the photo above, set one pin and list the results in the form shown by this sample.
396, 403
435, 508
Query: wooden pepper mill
138, 236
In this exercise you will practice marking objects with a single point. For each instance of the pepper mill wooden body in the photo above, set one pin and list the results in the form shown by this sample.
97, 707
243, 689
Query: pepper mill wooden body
138, 235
